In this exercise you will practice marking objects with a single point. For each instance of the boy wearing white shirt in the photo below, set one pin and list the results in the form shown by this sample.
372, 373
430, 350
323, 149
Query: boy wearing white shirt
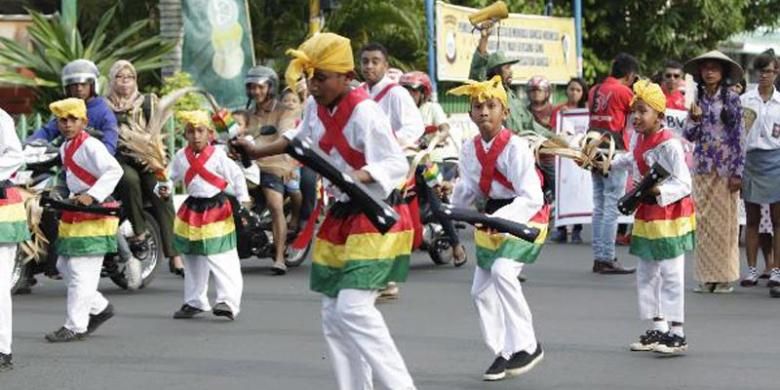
91, 174
204, 230
13, 229
498, 168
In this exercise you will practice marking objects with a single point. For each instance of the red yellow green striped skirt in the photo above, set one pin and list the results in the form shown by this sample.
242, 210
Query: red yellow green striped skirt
491, 247
661, 233
87, 234
350, 253
204, 226
13, 217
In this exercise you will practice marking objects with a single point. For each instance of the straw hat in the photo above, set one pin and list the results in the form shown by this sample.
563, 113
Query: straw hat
732, 72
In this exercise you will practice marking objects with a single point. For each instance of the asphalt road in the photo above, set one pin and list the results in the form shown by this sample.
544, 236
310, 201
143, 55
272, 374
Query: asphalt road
585, 322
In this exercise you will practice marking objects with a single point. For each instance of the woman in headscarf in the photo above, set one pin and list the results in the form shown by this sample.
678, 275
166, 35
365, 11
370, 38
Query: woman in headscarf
133, 110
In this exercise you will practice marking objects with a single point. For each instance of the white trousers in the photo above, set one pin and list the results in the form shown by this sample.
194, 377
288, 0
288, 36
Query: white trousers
360, 344
226, 268
82, 275
504, 315
661, 289
7, 258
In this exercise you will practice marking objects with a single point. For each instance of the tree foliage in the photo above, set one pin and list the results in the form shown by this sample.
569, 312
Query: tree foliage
53, 46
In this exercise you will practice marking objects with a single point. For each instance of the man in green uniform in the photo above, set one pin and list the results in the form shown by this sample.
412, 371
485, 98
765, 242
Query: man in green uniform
484, 66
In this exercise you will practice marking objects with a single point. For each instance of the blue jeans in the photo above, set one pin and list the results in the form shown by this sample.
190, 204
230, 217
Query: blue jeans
606, 193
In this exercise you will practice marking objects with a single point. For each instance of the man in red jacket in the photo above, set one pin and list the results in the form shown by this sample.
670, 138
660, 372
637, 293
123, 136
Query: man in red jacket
610, 105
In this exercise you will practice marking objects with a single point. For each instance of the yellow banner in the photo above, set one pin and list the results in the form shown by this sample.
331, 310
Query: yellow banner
544, 45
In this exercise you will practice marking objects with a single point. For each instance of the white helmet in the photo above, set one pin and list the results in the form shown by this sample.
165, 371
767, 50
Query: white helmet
81, 71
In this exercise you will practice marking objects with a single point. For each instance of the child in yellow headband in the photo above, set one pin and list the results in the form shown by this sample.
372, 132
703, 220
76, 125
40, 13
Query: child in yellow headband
204, 231
499, 169
351, 260
664, 224
91, 174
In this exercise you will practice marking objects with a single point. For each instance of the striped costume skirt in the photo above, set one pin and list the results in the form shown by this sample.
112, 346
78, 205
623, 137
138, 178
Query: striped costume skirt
662, 233
204, 226
13, 217
349, 253
87, 234
491, 247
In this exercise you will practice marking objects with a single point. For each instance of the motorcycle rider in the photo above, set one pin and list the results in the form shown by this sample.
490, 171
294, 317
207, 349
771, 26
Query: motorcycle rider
435, 120
80, 78
267, 120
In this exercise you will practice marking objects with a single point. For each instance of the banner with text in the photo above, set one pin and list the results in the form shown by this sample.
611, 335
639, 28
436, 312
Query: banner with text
544, 45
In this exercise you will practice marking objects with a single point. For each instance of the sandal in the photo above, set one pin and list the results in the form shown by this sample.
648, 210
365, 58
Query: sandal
175, 270
459, 256
279, 269
139, 244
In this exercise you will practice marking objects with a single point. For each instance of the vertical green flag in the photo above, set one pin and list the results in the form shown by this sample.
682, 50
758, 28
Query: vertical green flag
217, 49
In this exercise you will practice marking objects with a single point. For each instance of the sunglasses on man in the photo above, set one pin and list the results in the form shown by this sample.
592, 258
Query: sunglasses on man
672, 75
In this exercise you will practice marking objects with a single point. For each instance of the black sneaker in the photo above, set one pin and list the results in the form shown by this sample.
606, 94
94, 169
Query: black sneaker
95, 320
774, 292
187, 311
64, 335
648, 341
497, 370
671, 344
521, 362
223, 310
5, 362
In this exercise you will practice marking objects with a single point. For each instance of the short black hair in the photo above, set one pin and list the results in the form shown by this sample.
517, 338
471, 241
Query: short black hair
374, 46
673, 64
764, 59
623, 65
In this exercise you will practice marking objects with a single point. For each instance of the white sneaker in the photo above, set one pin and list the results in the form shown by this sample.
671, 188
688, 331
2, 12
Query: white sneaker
774, 278
751, 279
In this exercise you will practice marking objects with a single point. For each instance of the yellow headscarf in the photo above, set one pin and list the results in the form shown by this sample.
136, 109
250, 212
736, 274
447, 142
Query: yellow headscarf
69, 107
324, 51
481, 91
651, 94
195, 118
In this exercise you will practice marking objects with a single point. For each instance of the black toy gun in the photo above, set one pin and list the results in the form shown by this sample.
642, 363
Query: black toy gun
381, 215
630, 201
68, 205
473, 217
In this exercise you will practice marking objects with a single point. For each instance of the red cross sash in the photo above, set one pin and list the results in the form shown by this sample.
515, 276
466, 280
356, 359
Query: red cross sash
334, 128
198, 167
71, 166
488, 161
647, 143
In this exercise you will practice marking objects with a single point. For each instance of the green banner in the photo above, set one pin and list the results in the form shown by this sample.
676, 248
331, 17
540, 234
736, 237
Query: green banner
217, 49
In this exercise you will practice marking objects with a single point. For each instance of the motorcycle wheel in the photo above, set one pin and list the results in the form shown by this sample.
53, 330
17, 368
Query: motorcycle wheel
20, 269
151, 262
296, 257
440, 250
